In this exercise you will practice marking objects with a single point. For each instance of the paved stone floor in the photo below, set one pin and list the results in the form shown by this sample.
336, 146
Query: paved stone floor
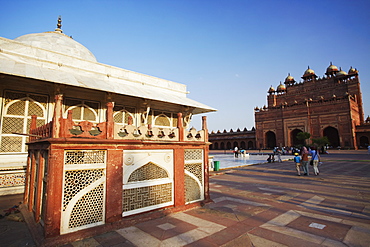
266, 205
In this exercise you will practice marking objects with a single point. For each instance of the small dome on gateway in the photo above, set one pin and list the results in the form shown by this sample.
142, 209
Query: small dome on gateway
341, 73
332, 68
309, 72
289, 79
352, 71
281, 88
271, 90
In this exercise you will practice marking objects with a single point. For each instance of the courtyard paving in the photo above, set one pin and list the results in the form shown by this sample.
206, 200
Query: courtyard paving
262, 205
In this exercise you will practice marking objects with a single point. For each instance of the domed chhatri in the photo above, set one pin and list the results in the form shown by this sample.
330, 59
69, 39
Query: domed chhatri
309, 74
281, 88
271, 90
352, 71
331, 70
341, 73
289, 80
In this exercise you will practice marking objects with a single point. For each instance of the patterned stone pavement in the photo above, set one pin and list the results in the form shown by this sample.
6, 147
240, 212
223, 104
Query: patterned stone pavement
267, 205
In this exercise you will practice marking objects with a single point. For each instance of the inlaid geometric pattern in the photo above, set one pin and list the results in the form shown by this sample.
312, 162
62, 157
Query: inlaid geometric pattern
196, 170
141, 197
17, 108
121, 114
117, 118
11, 144
35, 109
162, 121
12, 124
17, 116
12, 179
88, 209
89, 115
76, 112
83, 202
148, 172
192, 190
77, 180
82, 109
174, 122
193, 154
84, 157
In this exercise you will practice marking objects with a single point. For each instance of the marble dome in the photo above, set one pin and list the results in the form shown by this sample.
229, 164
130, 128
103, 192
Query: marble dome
57, 42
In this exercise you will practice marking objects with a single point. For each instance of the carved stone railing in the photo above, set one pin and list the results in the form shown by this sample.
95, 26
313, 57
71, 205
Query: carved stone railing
61, 127
194, 135
44, 131
84, 129
130, 132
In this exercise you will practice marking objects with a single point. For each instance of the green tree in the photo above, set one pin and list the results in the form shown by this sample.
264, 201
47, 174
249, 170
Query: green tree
321, 141
303, 136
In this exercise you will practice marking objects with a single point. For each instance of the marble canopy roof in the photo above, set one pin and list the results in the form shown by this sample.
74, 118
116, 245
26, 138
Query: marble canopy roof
57, 58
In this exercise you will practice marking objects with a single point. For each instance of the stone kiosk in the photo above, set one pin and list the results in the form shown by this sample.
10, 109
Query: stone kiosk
104, 146
85, 175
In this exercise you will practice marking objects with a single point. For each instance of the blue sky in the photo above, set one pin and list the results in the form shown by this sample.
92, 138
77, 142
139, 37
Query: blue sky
228, 52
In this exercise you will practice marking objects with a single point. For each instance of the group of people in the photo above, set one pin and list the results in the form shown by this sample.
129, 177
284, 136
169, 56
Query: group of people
236, 152
278, 152
303, 161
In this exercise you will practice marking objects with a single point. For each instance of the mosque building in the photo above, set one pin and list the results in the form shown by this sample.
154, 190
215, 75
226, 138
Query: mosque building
330, 106
100, 143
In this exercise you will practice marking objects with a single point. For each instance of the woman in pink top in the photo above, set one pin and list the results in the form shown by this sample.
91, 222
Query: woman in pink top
304, 161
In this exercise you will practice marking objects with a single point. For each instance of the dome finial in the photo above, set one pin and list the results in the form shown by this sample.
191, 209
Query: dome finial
59, 25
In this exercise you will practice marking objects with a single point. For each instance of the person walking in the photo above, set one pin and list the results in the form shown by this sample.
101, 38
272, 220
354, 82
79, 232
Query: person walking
315, 158
236, 152
279, 155
297, 161
304, 161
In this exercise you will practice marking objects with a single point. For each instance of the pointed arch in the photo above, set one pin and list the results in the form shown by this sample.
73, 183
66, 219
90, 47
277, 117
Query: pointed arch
162, 120
294, 141
270, 139
364, 141
333, 136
